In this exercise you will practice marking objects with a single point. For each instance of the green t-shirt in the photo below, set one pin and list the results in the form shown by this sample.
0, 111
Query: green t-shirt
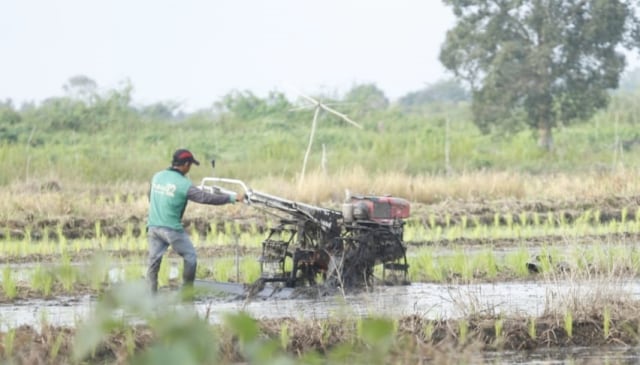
168, 199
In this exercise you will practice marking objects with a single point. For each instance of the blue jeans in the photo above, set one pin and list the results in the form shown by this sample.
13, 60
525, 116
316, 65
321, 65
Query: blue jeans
159, 240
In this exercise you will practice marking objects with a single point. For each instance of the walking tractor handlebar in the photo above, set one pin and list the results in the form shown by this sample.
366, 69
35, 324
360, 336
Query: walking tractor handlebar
207, 184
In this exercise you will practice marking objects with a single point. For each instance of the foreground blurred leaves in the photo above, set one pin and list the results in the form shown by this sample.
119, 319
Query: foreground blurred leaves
181, 336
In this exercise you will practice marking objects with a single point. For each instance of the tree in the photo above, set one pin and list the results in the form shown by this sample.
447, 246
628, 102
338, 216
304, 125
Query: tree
9, 120
367, 98
82, 88
246, 105
442, 91
539, 61
167, 110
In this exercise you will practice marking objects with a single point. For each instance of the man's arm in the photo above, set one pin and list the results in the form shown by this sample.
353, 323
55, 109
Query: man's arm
203, 197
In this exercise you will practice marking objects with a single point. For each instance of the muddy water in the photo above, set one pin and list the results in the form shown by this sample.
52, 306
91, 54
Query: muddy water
437, 301
433, 301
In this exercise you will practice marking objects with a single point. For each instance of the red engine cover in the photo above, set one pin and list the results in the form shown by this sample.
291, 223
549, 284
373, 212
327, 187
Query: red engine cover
384, 208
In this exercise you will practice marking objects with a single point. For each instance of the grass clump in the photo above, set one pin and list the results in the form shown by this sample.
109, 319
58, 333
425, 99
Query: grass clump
9, 285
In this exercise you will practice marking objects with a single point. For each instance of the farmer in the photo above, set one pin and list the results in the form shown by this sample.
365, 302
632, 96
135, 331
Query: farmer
168, 195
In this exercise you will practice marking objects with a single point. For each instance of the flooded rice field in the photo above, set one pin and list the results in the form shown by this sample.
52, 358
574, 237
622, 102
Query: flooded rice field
584, 314
437, 302
431, 301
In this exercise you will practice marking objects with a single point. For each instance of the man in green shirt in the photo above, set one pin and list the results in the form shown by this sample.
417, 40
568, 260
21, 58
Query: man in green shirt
168, 195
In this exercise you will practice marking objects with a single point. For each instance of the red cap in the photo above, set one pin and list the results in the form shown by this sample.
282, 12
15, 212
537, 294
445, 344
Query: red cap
182, 156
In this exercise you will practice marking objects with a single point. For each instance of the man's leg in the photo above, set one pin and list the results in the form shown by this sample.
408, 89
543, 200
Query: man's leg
181, 243
157, 247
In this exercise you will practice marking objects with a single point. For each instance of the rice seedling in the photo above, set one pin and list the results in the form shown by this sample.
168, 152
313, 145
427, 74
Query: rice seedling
516, 261
249, 240
55, 348
62, 239
213, 232
250, 269
42, 281
228, 229
451, 234
498, 326
476, 221
77, 246
98, 230
423, 266
613, 226
487, 263
8, 343
508, 217
634, 257
9, 285
428, 330
523, 218
325, 333
25, 244
461, 264
128, 231
223, 268
562, 220
606, 322
284, 336
568, 323
142, 228
545, 258
27, 237
437, 233
138, 271
7, 234
129, 340
549, 222
67, 274
195, 236
463, 331
97, 271
432, 221
532, 328
410, 232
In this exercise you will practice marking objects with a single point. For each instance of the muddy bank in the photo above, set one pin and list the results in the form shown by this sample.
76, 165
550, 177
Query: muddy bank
416, 340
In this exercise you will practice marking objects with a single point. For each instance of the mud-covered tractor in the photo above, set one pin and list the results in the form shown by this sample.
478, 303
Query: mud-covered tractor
341, 247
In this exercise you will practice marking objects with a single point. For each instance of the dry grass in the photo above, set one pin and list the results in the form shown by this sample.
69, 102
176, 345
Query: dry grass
57, 200
483, 185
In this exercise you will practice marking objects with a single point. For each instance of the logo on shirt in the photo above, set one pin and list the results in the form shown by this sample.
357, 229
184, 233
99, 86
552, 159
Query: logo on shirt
166, 189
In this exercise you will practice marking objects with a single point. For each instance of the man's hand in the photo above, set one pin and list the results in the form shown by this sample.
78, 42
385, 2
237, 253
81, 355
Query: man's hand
240, 198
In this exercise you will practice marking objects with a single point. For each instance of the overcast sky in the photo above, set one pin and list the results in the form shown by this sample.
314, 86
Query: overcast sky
194, 52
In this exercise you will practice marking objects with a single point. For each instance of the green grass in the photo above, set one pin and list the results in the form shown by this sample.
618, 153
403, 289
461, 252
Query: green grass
9, 285
132, 149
